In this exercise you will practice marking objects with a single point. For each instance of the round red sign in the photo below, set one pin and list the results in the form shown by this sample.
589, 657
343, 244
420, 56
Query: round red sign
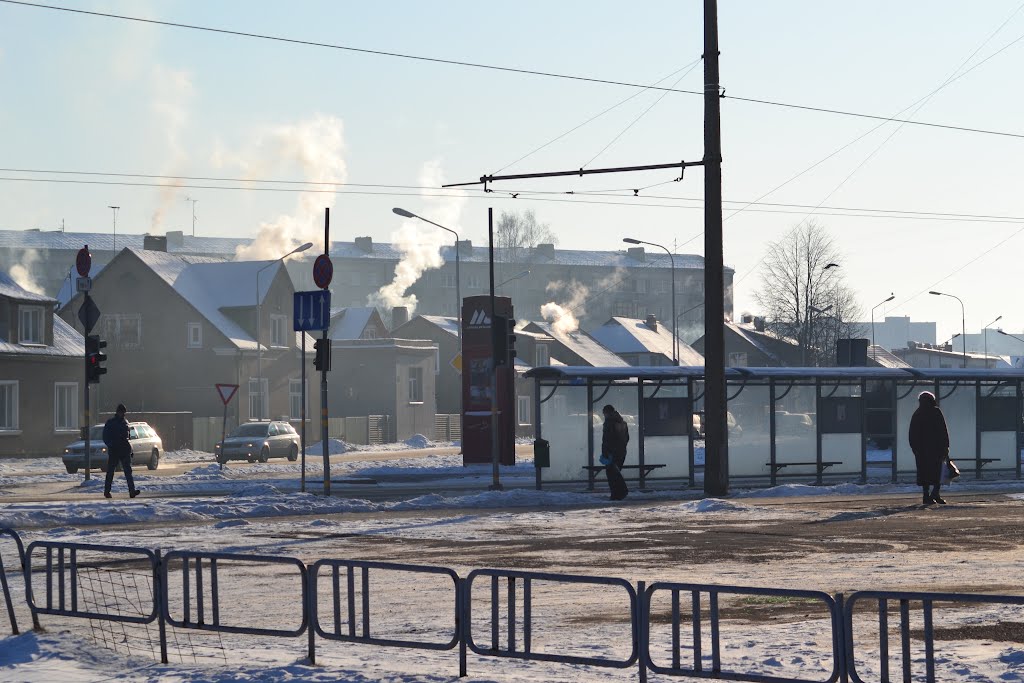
83, 262
323, 271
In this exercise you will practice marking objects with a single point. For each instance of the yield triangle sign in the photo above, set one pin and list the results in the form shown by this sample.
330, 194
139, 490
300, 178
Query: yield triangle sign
226, 391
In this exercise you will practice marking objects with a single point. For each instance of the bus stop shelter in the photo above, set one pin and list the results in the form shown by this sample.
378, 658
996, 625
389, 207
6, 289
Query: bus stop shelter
784, 423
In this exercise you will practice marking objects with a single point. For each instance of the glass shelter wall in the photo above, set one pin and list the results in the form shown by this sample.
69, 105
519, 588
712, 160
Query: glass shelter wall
563, 423
670, 450
624, 398
840, 414
750, 443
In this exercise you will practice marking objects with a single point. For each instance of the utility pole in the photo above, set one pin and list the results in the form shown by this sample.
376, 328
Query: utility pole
189, 199
716, 463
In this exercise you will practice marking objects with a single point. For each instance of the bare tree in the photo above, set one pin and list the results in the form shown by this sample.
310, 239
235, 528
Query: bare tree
803, 293
515, 234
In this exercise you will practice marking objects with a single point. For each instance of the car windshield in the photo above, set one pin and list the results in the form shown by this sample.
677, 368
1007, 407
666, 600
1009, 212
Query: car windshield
96, 434
257, 429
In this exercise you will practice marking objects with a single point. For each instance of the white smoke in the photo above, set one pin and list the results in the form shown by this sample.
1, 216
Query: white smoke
316, 147
420, 243
565, 317
171, 92
21, 272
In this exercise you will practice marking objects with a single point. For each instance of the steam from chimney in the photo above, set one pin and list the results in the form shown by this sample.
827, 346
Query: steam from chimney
315, 146
171, 91
563, 317
21, 272
420, 243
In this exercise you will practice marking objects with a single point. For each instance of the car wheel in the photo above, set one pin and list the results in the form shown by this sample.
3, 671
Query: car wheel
71, 469
154, 460
265, 455
293, 453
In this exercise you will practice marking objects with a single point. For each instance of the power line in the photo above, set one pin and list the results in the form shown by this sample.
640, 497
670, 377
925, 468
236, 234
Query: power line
493, 67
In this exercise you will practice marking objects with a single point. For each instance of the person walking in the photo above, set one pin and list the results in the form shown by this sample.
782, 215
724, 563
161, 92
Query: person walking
929, 439
614, 439
119, 450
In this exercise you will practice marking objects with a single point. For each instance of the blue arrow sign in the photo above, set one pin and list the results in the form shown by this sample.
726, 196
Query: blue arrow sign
311, 310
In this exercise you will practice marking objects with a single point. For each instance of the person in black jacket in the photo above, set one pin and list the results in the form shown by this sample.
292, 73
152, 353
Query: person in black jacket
929, 439
613, 449
119, 450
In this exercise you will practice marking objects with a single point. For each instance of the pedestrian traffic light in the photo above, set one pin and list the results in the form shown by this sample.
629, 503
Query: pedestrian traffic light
322, 358
94, 358
511, 341
499, 339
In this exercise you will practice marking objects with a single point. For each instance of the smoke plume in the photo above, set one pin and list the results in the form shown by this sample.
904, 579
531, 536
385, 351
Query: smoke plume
21, 272
563, 317
315, 146
171, 92
420, 243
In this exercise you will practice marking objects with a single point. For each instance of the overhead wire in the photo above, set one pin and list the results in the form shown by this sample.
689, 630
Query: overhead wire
493, 67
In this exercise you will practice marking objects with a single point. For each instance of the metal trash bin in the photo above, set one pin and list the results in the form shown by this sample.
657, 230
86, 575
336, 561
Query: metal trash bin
541, 453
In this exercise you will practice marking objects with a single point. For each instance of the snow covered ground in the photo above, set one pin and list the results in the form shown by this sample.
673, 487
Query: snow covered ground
568, 530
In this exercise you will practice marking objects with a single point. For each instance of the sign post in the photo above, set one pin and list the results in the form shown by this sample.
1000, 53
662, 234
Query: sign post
310, 311
323, 272
88, 314
226, 393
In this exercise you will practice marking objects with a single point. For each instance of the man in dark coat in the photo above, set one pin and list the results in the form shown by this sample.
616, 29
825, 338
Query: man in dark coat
119, 450
614, 439
929, 439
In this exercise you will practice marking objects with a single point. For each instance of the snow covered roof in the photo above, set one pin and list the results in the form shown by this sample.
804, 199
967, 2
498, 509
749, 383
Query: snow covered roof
226, 246
885, 359
632, 335
349, 323
446, 323
66, 342
582, 344
767, 343
11, 289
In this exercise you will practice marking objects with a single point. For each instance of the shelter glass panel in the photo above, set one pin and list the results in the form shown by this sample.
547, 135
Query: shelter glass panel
796, 435
670, 450
624, 398
563, 419
960, 410
842, 449
749, 433
905, 408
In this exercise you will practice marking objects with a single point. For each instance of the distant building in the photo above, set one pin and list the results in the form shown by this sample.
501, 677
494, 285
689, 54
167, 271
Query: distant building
895, 331
920, 355
750, 345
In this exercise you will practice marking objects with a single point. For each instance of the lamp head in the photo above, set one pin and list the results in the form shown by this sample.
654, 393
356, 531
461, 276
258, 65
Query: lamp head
936, 293
830, 265
891, 297
403, 213
630, 240
304, 247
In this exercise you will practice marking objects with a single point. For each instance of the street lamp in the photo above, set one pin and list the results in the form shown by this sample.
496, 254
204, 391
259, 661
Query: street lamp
963, 321
259, 346
115, 208
891, 297
672, 262
458, 290
986, 337
517, 276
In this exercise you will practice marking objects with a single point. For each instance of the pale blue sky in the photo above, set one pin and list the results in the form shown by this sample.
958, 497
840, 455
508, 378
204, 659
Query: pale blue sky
93, 94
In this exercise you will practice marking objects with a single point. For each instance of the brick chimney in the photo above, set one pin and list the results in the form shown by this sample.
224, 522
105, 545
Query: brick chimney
652, 322
636, 253
365, 244
399, 316
545, 250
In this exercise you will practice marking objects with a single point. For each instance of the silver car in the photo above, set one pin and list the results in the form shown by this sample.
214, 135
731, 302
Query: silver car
261, 441
147, 448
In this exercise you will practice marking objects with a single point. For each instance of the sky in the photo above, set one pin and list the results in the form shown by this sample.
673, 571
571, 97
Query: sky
95, 94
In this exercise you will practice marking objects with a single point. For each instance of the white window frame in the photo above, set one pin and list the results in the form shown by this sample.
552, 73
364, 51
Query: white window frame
114, 326
415, 384
448, 280
11, 387
278, 336
524, 410
70, 391
32, 332
194, 335
542, 355
738, 359
369, 333
295, 398
260, 395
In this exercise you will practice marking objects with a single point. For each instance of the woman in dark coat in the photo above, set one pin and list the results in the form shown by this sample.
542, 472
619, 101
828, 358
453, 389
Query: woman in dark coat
929, 439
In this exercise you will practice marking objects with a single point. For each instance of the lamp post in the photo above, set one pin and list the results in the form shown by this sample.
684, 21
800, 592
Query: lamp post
517, 276
115, 208
259, 346
891, 297
986, 337
458, 290
1012, 336
189, 199
963, 321
810, 328
672, 263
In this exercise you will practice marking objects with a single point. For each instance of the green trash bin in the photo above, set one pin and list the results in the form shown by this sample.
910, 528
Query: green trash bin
541, 453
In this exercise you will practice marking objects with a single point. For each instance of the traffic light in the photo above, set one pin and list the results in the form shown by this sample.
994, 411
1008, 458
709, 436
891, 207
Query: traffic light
94, 358
322, 359
504, 341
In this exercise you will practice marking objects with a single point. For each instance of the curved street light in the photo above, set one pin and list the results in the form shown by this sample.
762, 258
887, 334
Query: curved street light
259, 346
963, 321
672, 263
892, 296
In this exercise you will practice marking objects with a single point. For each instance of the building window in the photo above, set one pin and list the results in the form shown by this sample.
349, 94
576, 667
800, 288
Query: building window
195, 336
448, 280
640, 286
541, 356
523, 410
9, 406
30, 331
123, 330
474, 282
277, 327
295, 398
737, 359
65, 406
662, 286
257, 398
369, 333
416, 385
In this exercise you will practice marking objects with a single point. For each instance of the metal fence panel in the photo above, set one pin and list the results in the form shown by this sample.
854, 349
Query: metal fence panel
207, 593
8, 601
524, 649
714, 592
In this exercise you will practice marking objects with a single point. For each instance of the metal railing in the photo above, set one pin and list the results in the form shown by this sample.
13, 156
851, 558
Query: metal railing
8, 601
831, 606
905, 598
198, 577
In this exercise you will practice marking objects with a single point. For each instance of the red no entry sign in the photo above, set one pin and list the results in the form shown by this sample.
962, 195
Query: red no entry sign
323, 271
83, 262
